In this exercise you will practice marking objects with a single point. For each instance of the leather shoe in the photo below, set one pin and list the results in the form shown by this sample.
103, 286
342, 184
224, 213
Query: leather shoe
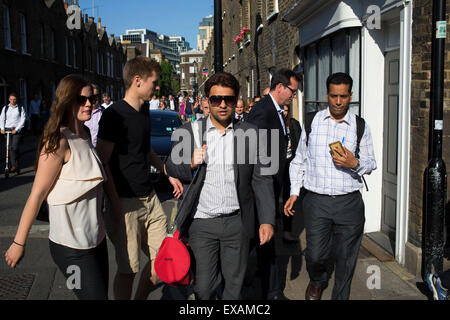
279, 296
313, 292
13, 169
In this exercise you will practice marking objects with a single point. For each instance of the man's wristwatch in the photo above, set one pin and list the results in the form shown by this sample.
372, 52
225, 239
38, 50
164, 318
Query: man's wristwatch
356, 167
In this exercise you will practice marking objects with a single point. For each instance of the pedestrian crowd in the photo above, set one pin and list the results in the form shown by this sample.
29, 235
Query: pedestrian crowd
92, 171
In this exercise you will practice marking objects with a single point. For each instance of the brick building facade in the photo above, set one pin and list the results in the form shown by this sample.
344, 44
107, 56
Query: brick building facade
191, 64
37, 50
272, 44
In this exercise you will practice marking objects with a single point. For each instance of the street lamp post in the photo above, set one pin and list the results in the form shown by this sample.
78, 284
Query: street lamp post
195, 89
436, 176
218, 48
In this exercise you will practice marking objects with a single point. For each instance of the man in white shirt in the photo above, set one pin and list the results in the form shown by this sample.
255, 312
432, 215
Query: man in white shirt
12, 117
97, 111
34, 112
106, 100
154, 103
333, 207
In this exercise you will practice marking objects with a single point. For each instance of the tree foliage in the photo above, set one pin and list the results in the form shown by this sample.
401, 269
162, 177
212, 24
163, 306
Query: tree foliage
165, 79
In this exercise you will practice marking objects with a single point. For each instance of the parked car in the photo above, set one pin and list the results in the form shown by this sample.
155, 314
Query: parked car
163, 124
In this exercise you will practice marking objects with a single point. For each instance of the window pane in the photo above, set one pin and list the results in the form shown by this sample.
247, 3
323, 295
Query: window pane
354, 60
339, 53
23, 33
6, 27
310, 71
324, 69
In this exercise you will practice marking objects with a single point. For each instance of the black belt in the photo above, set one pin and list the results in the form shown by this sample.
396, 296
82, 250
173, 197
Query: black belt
226, 215
336, 196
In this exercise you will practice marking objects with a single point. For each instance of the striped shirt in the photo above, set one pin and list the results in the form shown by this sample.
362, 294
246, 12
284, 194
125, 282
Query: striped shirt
218, 195
313, 166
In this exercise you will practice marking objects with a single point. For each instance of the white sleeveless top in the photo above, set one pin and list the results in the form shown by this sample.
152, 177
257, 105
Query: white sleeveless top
75, 202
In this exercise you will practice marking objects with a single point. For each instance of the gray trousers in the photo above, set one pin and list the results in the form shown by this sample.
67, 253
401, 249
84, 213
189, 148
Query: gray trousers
220, 246
334, 228
14, 140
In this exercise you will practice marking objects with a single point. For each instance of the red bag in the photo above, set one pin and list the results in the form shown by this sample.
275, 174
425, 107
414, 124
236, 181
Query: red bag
173, 261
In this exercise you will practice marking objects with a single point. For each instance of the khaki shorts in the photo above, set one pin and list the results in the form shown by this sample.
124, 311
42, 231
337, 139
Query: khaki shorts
144, 227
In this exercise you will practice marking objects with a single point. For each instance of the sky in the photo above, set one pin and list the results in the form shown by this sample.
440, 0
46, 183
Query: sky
168, 17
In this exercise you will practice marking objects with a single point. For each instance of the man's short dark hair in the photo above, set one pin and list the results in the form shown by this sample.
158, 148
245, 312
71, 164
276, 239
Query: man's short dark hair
340, 78
13, 94
283, 76
222, 79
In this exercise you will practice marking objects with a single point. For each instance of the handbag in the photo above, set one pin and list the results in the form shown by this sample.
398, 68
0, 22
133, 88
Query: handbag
173, 262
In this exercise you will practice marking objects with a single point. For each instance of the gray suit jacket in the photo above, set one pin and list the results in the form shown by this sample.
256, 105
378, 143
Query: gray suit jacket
252, 187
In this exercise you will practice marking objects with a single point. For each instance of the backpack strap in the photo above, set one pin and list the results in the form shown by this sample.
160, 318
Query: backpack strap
360, 127
5, 110
309, 117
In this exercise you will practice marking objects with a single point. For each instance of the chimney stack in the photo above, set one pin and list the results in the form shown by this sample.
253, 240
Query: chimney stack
99, 23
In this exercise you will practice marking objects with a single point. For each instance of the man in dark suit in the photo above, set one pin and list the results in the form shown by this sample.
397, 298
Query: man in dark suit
239, 113
172, 103
223, 216
268, 114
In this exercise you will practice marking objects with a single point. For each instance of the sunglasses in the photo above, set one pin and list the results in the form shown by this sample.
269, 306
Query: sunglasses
230, 101
293, 91
81, 100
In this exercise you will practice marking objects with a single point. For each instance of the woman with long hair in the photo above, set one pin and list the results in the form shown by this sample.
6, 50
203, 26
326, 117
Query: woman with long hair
293, 131
69, 176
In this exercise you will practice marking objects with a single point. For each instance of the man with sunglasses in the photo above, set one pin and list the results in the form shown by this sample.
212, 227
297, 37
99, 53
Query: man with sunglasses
97, 111
268, 114
223, 215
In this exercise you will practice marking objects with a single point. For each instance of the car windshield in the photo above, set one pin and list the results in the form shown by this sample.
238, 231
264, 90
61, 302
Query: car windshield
163, 124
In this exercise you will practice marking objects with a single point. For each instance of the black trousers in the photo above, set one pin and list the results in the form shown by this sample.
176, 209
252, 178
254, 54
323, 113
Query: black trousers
334, 229
271, 282
92, 265
14, 141
220, 246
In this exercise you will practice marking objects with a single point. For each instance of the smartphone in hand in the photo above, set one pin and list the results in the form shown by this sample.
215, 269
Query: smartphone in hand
336, 148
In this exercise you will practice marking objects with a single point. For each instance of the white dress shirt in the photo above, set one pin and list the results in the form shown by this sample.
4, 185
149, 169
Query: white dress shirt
280, 113
14, 118
313, 166
218, 195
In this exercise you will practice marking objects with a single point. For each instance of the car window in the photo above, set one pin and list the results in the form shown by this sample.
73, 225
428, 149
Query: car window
163, 125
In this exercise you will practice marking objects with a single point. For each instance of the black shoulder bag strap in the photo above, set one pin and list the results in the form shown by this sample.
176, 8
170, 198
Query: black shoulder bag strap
360, 127
309, 117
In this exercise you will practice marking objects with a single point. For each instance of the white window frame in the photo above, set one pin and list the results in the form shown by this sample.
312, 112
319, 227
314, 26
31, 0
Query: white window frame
192, 70
53, 45
7, 28
98, 62
275, 11
74, 49
23, 92
42, 42
23, 33
67, 52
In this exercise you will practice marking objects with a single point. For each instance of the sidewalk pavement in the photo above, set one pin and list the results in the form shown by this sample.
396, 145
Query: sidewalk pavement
37, 277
